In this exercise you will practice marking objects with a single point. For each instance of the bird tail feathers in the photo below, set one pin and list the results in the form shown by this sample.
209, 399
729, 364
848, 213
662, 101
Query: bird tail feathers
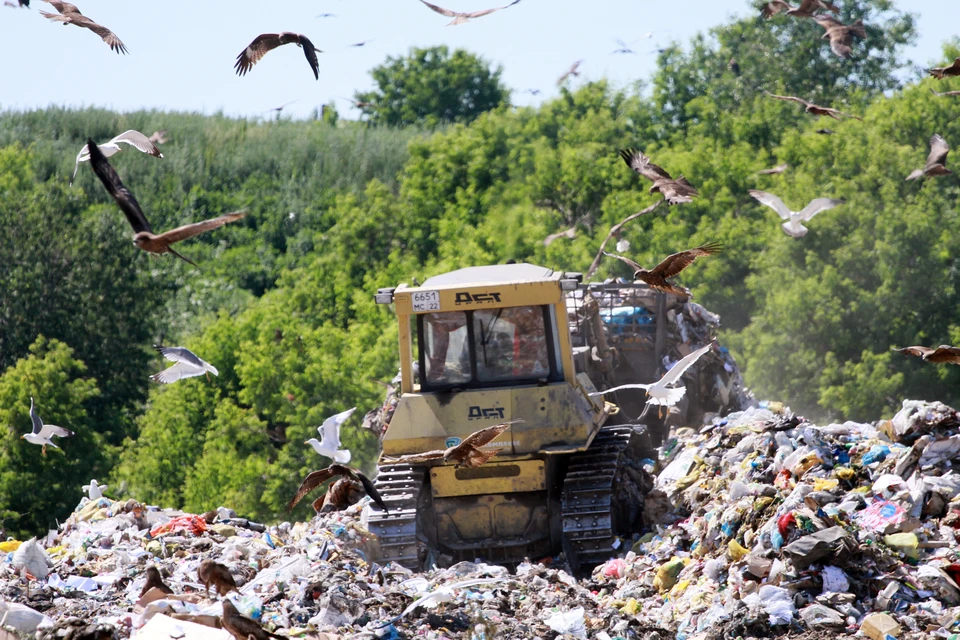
674, 395
342, 456
794, 230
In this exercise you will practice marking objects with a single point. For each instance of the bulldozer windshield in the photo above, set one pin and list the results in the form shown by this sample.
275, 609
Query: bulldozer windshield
486, 347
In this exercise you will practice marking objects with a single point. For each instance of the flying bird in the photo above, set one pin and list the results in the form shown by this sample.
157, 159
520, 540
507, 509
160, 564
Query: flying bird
468, 453
936, 161
93, 490
840, 35
218, 575
327, 15
674, 191
154, 579
662, 392
615, 233
945, 93
460, 17
570, 234
131, 137
143, 235
316, 478
243, 628
329, 443
806, 9
281, 107
359, 104
21, 3
624, 48
943, 72
533, 92
188, 365
943, 353
815, 109
69, 14
42, 433
572, 71
267, 42
793, 227
361, 43
669, 267
158, 137
780, 168
825, 132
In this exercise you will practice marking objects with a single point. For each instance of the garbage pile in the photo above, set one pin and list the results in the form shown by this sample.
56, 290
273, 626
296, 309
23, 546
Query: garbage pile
761, 524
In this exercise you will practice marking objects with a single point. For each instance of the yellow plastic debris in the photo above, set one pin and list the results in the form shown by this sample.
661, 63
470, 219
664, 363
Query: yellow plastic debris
10, 545
825, 484
667, 574
679, 588
631, 607
905, 543
845, 473
737, 551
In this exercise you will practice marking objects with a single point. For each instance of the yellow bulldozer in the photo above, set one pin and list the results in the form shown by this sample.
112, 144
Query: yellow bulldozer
486, 345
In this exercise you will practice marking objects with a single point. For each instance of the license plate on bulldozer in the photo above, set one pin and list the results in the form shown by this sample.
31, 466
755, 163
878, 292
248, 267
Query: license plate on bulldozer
425, 301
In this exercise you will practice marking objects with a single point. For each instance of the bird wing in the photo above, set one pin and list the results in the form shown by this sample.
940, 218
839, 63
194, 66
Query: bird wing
674, 264
63, 7
938, 151
640, 163
180, 354
771, 201
310, 52
566, 233
49, 430
945, 353
444, 12
125, 200
76, 165
633, 265
260, 46
817, 205
479, 438
825, 21
311, 482
370, 489
108, 36
179, 371
621, 387
190, 230
35, 419
330, 429
918, 351
484, 12
139, 141
676, 191
616, 229
790, 98
773, 8
672, 376
780, 168
412, 458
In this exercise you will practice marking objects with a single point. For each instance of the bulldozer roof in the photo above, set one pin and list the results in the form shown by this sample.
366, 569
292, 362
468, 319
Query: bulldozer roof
497, 273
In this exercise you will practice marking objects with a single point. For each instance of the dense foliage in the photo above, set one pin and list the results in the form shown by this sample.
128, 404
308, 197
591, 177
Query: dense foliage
283, 303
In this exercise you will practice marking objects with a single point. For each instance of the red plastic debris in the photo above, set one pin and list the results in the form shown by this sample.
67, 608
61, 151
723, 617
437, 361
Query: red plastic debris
189, 523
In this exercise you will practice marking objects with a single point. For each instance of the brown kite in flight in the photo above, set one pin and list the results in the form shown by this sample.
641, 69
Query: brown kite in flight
840, 35
672, 265
466, 454
143, 235
805, 10
674, 191
815, 109
950, 70
936, 161
266, 42
316, 478
460, 17
69, 14
943, 353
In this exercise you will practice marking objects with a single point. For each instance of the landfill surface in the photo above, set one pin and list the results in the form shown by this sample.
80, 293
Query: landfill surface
760, 525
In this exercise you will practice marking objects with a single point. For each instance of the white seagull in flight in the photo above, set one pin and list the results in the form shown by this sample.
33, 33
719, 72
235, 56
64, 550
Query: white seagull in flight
131, 137
661, 392
792, 226
42, 433
188, 365
329, 443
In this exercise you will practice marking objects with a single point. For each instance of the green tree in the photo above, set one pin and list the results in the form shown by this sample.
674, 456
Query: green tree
38, 491
432, 86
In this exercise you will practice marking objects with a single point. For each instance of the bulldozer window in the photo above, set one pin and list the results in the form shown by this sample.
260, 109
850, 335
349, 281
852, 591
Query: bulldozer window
511, 344
446, 352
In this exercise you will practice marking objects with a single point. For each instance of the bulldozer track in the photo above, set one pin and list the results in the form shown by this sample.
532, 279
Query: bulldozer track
587, 506
399, 485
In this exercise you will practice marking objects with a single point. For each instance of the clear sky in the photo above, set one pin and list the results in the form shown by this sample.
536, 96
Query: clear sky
182, 51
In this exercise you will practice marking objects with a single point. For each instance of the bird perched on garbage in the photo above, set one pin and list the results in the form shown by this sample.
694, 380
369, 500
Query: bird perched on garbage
329, 443
673, 191
266, 42
188, 365
93, 490
943, 72
943, 353
143, 236
815, 109
154, 579
793, 227
42, 433
32, 558
131, 137
466, 454
662, 392
218, 575
438, 596
461, 17
69, 14
840, 35
316, 478
241, 627
670, 266
936, 161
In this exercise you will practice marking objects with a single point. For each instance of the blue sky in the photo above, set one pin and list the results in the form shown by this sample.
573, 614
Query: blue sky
182, 51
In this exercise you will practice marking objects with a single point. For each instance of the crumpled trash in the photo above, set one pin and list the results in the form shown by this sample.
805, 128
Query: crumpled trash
569, 623
22, 618
31, 557
834, 543
189, 523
